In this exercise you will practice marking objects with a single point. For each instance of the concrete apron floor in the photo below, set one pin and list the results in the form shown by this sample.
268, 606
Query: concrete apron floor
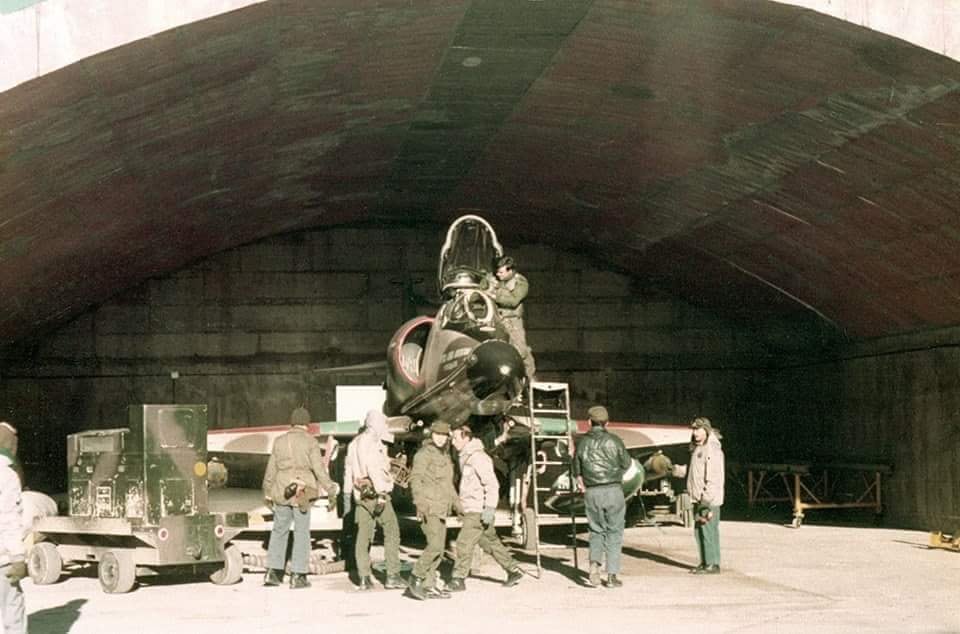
774, 579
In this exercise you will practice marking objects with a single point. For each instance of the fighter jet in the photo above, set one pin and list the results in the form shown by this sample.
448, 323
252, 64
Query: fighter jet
460, 366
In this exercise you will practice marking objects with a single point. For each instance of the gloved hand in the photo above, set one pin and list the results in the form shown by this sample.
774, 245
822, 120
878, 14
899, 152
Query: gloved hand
487, 517
16, 571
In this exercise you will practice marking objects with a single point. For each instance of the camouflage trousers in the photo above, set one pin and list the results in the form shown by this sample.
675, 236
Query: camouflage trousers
434, 529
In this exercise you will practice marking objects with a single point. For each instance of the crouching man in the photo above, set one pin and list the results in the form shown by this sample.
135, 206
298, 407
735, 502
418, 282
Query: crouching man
479, 493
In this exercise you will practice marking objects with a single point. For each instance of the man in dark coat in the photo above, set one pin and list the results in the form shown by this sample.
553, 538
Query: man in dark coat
599, 463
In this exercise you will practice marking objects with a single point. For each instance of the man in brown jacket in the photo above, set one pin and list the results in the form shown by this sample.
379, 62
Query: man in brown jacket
290, 485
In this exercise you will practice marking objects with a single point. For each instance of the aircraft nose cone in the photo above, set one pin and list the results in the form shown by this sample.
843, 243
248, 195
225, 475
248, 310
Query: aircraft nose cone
496, 373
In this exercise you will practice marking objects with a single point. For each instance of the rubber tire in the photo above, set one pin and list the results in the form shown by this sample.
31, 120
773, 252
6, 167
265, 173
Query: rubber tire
232, 571
44, 563
117, 572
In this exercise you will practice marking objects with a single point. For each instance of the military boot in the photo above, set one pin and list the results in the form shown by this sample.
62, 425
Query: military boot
394, 582
415, 589
513, 577
299, 580
456, 585
594, 574
613, 581
365, 584
436, 593
273, 577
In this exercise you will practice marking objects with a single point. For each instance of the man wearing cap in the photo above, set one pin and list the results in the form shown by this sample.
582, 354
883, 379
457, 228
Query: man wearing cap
13, 568
599, 463
290, 485
367, 476
705, 480
509, 290
479, 494
431, 482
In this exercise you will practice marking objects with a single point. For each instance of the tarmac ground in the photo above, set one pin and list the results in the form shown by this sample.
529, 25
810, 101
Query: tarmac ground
774, 579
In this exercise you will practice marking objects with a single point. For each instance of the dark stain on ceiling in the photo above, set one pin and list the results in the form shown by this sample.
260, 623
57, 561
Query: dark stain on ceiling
744, 155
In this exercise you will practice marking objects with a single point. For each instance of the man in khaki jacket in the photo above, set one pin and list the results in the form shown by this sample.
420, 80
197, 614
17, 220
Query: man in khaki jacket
479, 494
367, 476
295, 472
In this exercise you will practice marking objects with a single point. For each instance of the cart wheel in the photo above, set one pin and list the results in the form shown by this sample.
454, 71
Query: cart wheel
44, 563
529, 526
232, 570
117, 572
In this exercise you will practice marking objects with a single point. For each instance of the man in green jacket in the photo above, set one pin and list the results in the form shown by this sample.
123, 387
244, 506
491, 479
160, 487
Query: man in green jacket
479, 494
431, 482
291, 483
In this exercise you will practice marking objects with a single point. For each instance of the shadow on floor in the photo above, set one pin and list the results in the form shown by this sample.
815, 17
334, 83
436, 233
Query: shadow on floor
56, 620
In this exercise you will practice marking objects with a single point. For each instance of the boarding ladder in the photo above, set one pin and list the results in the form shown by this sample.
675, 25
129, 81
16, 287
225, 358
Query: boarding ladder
549, 410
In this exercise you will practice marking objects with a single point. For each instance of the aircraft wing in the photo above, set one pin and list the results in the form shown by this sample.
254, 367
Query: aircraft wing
259, 440
645, 435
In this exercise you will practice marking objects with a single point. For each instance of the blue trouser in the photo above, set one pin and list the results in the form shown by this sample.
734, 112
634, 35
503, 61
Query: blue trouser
277, 550
11, 601
708, 536
606, 510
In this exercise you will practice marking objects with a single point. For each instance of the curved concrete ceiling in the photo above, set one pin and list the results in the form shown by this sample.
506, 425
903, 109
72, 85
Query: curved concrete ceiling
747, 155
